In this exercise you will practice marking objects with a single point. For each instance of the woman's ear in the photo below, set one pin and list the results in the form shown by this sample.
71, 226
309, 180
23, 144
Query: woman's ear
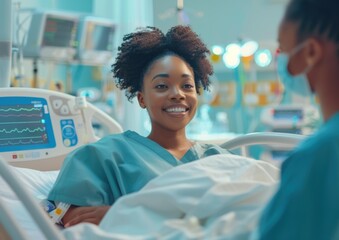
140, 97
314, 51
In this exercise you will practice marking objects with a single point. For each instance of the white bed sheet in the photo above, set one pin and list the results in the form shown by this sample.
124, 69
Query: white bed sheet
217, 197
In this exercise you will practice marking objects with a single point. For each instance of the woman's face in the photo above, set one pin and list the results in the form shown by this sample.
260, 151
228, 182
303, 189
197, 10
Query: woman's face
169, 93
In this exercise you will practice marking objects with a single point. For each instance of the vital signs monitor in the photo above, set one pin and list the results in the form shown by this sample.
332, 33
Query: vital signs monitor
52, 35
39, 127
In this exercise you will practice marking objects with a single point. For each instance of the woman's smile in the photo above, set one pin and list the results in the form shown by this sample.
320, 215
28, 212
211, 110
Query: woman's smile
177, 110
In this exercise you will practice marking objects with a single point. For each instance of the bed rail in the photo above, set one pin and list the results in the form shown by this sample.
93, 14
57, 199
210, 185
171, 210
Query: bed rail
6, 218
286, 140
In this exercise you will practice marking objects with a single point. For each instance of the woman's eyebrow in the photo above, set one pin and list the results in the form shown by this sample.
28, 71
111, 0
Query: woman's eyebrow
162, 75
166, 75
186, 75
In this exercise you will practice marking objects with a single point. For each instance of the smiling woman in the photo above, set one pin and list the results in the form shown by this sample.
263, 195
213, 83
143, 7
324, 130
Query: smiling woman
165, 72
170, 96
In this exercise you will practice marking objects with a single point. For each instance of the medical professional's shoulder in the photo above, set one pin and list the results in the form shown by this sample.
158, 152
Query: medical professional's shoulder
331, 128
206, 149
325, 137
319, 147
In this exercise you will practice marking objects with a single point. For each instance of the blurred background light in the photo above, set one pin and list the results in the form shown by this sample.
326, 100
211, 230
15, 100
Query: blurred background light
233, 48
231, 59
249, 48
217, 50
263, 57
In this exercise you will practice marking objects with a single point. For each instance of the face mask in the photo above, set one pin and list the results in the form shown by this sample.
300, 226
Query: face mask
298, 84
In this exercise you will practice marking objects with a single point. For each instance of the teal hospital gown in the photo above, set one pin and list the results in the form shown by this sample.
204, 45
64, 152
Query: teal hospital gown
101, 172
306, 205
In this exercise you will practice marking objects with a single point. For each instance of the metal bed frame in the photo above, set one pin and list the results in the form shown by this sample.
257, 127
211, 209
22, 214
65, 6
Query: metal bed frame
273, 139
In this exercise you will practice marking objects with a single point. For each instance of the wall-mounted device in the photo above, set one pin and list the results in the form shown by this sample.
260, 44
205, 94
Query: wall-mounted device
52, 36
95, 40
295, 119
290, 118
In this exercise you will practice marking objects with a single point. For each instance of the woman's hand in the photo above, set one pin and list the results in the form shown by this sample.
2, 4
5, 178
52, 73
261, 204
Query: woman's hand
76, 215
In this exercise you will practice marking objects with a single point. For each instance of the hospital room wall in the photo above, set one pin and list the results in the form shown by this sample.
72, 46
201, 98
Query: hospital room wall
224, 21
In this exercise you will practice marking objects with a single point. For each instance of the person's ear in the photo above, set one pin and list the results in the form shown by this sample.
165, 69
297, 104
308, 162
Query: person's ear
141, 101
314, 51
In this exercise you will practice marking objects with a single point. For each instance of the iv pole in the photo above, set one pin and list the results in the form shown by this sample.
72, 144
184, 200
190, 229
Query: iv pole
5, 42
180, 12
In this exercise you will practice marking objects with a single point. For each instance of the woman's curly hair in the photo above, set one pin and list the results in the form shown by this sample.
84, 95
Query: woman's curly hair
139, 49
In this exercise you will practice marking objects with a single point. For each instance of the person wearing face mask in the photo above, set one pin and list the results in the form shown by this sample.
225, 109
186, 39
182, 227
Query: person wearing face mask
306, 205
166, 72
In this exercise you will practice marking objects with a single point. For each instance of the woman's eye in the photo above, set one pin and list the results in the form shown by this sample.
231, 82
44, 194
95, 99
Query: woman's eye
160, 86
188, 86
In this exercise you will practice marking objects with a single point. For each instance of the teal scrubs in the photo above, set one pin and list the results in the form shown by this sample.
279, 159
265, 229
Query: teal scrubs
306, 205
101, 172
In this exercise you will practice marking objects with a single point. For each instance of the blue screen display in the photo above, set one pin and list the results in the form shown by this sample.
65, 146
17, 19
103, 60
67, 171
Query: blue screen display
25, 124
288, 114
99, 37
59, 32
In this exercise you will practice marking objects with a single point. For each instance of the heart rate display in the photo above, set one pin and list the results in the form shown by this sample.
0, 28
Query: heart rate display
25, 124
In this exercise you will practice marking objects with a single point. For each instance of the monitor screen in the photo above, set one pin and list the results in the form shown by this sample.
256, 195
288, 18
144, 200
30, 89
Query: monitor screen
288, 114
25, 124
59, 32
99, 37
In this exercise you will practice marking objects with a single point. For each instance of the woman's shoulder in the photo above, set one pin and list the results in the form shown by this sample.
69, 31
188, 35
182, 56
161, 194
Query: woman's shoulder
119, 136
109, 141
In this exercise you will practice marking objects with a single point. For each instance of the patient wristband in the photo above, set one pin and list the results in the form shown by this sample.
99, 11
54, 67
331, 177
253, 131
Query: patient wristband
48, 206
56, 212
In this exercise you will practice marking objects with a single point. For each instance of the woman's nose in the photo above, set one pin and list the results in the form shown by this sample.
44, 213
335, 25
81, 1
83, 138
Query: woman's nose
176, 93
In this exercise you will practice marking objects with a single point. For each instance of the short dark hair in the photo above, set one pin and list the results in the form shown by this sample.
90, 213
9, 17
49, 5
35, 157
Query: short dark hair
315, 18
141, 48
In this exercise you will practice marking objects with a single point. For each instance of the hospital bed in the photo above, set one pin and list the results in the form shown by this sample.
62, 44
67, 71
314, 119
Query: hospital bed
67, 124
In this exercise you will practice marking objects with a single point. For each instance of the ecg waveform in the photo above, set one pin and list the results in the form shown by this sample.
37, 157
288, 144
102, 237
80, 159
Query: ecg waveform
16, 130
19, 109
21, 142
22, 124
